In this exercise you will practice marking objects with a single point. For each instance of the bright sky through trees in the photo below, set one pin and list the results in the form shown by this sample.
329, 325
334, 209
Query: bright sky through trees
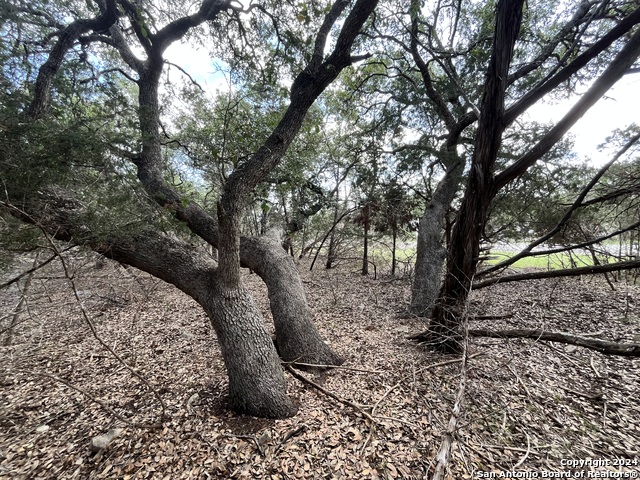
617, 110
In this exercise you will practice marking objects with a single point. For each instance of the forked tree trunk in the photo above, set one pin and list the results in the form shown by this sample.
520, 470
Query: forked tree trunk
256, 379
447, 315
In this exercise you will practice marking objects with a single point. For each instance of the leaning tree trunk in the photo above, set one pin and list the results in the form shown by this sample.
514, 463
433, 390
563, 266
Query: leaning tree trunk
256, 378
431, 252
447, 315
332, 252
297, 338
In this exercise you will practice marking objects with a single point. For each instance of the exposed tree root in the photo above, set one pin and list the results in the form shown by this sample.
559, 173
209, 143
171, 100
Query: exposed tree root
602, 346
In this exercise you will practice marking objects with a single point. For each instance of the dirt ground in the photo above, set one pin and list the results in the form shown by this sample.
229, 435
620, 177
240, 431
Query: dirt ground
528, 406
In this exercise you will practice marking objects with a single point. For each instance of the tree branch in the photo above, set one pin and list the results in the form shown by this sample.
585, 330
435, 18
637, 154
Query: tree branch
569, 272
602, 346
66, 39
581, 61
569, 213
616, 69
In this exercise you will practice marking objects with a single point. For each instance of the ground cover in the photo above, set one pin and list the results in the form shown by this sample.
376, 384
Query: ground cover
528, 406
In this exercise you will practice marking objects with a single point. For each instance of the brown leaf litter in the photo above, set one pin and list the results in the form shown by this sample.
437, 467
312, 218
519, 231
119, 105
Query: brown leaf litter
528, 405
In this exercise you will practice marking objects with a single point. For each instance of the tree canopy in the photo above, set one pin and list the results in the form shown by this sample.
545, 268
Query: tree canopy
389, 115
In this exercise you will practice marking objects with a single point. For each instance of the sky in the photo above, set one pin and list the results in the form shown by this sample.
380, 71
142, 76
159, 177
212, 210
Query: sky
618, 109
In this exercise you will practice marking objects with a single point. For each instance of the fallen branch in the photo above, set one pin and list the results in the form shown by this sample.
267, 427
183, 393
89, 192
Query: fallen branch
444, 453
294, 363
569, 272
603, 346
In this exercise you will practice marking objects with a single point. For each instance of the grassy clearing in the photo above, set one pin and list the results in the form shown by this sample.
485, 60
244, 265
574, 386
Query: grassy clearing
555, 261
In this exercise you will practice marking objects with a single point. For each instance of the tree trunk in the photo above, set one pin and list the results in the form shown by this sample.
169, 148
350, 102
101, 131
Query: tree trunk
297, 338
256, 379
431, 252
394, 238
331, 254
443, 334
365, 248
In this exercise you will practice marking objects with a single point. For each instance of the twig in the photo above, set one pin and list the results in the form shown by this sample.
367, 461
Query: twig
247, 437
487, 458
519, 380
422, 369
104, 406
594, 367
85, 314
338, 367
526, 454
598, 396
289, 435
92, 327
492, 317
336, 397
32, 269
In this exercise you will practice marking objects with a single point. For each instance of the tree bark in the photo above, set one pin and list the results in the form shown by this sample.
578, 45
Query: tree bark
431, 251
603, 346
297, 338
256, 379
365, 246
394, 241
443, 332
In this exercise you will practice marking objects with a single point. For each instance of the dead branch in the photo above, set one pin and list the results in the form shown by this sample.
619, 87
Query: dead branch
569, 272
331, 367
447, 442
33, 269
442, 459
603, 346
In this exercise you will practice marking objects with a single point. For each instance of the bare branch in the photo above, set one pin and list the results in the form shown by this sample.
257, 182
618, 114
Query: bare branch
568, 214
603, 346
66, 39
569, 272
616, 69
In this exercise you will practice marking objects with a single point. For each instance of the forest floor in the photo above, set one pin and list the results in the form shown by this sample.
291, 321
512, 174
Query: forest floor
528, 406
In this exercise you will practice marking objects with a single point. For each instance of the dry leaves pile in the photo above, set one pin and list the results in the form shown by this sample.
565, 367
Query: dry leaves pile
528, 405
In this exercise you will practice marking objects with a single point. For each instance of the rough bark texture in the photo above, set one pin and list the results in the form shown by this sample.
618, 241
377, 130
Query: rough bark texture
366, 211
443, 332
431, 251
297, 338
256, 379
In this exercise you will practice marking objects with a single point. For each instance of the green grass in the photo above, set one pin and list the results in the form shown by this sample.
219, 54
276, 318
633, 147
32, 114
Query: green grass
555, 261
